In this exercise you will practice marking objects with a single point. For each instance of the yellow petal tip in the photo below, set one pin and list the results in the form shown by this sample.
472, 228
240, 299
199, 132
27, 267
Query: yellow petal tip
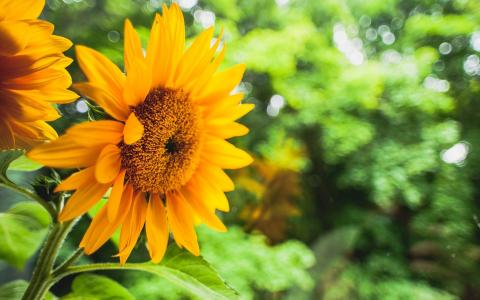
133, 130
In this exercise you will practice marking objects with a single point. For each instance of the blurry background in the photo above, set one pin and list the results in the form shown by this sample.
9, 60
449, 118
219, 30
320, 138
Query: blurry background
366, 134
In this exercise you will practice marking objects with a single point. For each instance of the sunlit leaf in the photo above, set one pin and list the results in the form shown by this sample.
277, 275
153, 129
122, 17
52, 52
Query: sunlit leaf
97, 287
22, 229
24, 164
190, 274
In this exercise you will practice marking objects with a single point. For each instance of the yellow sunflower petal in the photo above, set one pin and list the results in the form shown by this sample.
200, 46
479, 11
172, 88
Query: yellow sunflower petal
205, 213
49, 95
132, 227
132, 46
102, 228
26, 109
158, 52
21, 65
47, 27
234, 112
48, 77
100, 70
108, 164
227, 130
97, 232
31, 133
128, 193
64, 153
192, 59
180, 219
115, 198
229, 111
204, 64
20, 10
97, 133
42, 43
210, 192
12, 42
109, 102
223, 154
82, 200
156, 228
221, 84
133, 130
77, 180
7, 139
176, 29
217, 175
195, 86
138, 82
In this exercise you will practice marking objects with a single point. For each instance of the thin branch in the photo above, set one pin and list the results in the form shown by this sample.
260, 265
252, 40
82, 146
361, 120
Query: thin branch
95, 267
69, 261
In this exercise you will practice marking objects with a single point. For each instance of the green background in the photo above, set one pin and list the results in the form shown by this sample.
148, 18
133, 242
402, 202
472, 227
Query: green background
365, 133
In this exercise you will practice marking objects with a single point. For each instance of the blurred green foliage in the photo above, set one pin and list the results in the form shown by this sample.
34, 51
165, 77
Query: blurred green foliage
14, 290
246, 263
373, 105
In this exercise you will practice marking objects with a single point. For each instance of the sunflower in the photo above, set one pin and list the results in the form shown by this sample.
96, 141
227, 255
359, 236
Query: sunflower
32, 74
164, 151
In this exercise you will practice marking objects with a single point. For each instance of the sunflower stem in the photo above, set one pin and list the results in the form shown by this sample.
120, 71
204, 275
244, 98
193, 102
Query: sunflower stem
12, 186
69, 261
95, 267
42, 275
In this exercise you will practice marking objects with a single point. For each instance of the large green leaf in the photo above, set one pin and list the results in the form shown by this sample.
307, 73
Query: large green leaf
192, 273
14, 290
22, 229
97, 287
15, 160
23, 163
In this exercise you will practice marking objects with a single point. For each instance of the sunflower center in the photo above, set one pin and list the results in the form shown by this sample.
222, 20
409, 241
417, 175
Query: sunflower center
172, 146
166, 156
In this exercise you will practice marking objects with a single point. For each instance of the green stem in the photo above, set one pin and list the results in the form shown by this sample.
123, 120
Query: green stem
69, 261
42, 274
10, 185
96, 267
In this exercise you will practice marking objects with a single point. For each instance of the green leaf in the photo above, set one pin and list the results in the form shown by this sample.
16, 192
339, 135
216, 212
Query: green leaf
14, 290
6, 158
97, 287
22, 229
23, 163
191, 273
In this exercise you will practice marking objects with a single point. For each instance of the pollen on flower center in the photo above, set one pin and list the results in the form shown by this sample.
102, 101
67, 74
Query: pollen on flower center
166, 156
